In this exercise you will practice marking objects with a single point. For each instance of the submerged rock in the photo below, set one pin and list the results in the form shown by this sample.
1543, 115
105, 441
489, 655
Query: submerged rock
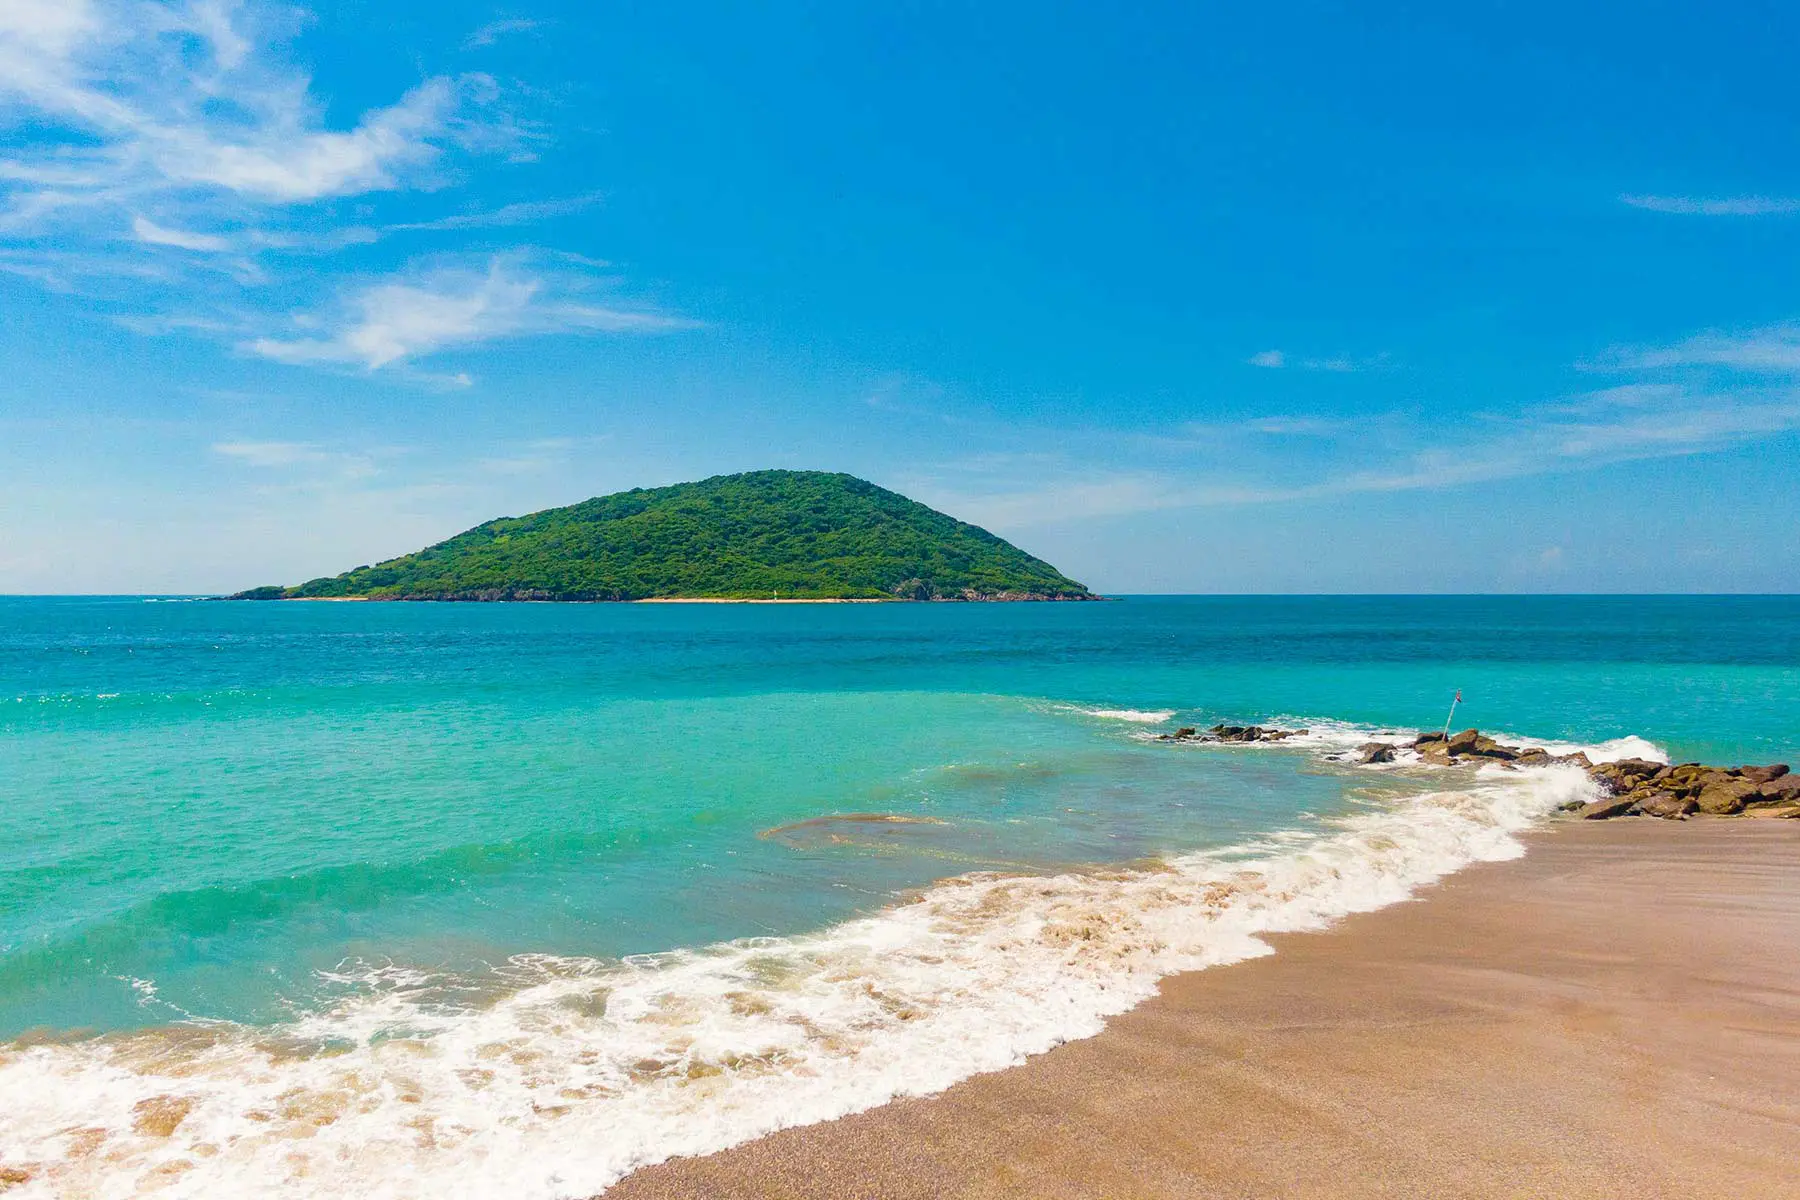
1376, 752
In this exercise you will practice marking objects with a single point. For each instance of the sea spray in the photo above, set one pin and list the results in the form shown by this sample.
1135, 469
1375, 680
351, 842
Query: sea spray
566, 1073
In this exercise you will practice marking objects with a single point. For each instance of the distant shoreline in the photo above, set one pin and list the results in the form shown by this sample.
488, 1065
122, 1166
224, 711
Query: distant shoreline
676, 600
646, 600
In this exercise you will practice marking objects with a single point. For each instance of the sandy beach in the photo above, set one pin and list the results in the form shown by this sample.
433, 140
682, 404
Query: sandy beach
1615, 1015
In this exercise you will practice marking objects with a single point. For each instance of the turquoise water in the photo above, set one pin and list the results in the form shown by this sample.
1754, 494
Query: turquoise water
265, 815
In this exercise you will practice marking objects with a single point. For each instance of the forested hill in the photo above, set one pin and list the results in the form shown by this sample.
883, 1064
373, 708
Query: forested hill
762, 535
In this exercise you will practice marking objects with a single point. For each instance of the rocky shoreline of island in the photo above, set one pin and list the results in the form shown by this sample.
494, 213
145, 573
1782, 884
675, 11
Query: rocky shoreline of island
1628, 786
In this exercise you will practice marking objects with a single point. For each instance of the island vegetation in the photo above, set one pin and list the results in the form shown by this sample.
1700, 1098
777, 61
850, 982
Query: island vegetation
795, 535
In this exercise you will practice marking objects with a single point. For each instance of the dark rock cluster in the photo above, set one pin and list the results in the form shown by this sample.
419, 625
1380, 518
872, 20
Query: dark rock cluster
1630, 786
1467, 747
1230, 733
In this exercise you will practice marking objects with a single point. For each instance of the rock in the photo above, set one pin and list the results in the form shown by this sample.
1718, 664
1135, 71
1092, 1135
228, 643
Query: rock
1534, 756
1577, 759
1726, 796
1625, 774
1790, 811
1425, 739
1767, 774
1637, 768
1434, 753
1464, 742
1252, 733
1487, 747
1666, 805
1782, 787
1376, 752
1605, 807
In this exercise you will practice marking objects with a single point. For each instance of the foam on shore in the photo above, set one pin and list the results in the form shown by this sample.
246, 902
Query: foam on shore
559, 1075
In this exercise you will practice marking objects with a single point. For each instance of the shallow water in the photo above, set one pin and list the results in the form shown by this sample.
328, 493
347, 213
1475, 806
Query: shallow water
395, 897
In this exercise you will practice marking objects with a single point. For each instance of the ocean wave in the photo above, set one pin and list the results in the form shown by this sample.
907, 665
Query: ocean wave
1139, 716
565, 1073
206, 912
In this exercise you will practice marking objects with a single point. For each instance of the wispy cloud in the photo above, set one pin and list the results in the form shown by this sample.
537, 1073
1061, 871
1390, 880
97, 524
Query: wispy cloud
493, 31
153, 234
1772, 349
1287, 426
1716, 206
1639, 422
1276, 360
535, 457
147, 103
398, 320
172, 143
271, 454
507, 214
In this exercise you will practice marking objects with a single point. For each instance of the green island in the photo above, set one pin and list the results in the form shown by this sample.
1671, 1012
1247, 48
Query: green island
788, 535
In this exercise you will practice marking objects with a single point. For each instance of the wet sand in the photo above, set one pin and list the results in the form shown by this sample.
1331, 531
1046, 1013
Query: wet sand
1615, 1015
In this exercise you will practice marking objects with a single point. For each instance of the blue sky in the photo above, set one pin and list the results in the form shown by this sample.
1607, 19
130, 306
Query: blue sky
1194, 298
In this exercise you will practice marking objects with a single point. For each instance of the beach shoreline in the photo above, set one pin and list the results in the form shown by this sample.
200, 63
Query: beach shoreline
1616, 1014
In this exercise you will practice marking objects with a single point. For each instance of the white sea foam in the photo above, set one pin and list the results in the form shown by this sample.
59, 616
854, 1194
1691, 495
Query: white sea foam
1332, 737
1140, 716
581, 1070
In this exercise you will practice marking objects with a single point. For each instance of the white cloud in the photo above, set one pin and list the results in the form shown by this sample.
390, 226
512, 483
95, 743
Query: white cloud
1298, 426
172, 106
271, 454
146, 126
493, 31
397, 320
1722, 206
506, 214
1276, 360
1635, 424
153, 234
1772, 349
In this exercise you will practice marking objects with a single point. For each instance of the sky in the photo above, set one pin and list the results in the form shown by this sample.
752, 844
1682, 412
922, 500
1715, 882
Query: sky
1187, 298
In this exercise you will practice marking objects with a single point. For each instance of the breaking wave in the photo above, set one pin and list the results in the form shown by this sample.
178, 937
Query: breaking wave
559, 1075
1139, 716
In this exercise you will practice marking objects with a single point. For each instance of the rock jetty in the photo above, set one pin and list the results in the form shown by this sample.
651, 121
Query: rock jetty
1638, 786
1628, 786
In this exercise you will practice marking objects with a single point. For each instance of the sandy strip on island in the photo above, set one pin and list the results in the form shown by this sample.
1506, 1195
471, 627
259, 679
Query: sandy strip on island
1615, 1015
772, 600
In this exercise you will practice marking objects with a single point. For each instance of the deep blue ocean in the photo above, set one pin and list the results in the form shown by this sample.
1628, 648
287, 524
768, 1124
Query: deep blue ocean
246, 842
